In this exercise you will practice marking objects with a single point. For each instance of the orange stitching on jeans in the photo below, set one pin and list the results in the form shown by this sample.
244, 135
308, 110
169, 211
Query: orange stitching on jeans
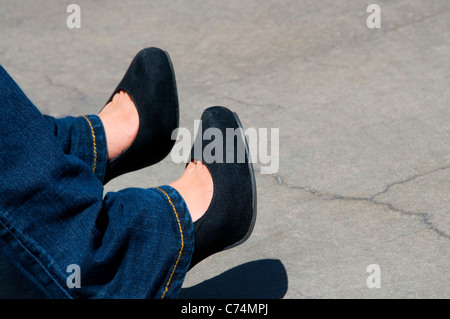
93, 141
182, 241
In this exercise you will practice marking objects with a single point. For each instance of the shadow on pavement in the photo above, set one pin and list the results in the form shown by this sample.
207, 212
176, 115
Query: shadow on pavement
260, 279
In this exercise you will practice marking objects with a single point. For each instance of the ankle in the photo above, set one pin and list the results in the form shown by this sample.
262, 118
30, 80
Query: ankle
121, 123
197, 188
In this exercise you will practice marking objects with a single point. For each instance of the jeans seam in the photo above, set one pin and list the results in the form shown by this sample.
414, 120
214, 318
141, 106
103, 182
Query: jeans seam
93, 142
182, 241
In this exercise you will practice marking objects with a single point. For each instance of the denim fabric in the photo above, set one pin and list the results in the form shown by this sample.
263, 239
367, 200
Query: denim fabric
135, 243
83, 137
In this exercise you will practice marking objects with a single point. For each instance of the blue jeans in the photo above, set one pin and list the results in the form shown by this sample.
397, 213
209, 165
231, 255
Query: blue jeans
135, 243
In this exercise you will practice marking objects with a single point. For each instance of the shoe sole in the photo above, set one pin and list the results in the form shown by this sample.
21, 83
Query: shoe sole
174, 85
253, 181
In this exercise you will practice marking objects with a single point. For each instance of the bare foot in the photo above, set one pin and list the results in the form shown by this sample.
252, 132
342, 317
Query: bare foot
196, 187
121, 122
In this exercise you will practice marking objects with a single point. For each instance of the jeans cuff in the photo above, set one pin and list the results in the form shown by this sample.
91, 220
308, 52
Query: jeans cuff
99, 146
186, 227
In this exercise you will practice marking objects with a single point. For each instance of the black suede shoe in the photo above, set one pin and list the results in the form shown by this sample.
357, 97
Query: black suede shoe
231, 216
150, 82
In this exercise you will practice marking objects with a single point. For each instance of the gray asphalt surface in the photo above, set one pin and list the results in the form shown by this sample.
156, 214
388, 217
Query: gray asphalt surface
363, 117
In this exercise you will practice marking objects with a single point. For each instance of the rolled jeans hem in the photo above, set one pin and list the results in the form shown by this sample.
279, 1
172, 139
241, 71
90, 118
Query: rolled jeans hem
159, 273
83, 137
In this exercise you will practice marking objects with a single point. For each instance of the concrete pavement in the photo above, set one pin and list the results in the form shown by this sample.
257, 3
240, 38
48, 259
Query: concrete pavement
363, 116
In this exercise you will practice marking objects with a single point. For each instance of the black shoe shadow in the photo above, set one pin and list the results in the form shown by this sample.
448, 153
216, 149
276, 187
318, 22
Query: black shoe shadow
260, 279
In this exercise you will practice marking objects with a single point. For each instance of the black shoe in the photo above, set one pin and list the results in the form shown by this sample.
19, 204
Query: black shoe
231, 216
150, 82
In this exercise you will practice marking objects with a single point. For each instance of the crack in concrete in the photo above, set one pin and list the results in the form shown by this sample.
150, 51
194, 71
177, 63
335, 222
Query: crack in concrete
424, 217
271, 106
407, 180
83, 97
418, 20
326, 65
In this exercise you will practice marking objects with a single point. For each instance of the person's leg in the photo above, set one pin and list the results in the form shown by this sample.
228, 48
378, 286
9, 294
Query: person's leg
96, 139
138, 120
136, 243
83, 137
231, 200
197, 188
